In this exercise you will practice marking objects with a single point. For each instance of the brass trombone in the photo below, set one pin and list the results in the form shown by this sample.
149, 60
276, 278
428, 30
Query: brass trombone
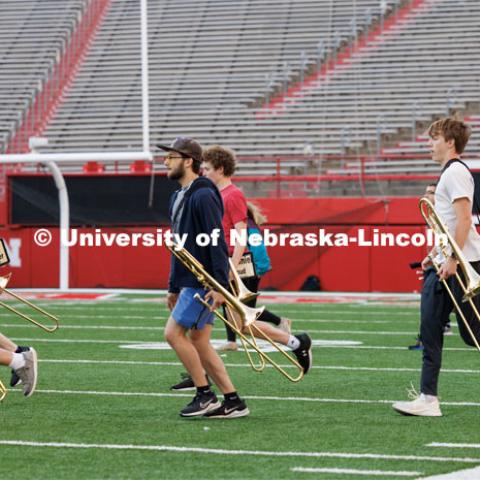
3, 391
3, 284
471, 286
247, 315
238, 287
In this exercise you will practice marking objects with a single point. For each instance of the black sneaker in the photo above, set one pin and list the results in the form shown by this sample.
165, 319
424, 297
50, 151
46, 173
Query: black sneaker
418, 345
229, 410
15, 379
201, 404
304, 352
186, 383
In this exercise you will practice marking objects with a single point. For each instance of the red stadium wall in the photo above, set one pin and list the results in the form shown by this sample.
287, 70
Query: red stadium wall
352, 268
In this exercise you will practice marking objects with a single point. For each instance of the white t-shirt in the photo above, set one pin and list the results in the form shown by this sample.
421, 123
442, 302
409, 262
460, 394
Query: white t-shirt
457, 182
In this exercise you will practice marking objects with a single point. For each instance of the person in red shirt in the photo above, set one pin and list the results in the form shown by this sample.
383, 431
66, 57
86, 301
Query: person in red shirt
219, 165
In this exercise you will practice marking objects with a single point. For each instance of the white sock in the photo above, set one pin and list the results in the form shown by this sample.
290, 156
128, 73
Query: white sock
17, 362
293, 342
430, 398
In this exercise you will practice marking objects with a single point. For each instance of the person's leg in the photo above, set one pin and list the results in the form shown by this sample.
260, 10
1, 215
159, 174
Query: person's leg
435, 302
176, 336
210, 360
24, 366
7, 344
188, 312
231, 343
6, 357
284, 324
233, 406
435, 305
301, 344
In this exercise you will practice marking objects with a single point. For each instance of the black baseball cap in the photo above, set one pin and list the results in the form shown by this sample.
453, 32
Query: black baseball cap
187, 147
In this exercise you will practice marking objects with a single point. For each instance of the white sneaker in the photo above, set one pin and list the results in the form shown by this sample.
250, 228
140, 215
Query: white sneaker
420, 407
285, 325
28, 373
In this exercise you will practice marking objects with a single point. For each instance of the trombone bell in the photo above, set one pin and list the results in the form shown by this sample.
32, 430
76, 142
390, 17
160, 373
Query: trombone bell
3, 284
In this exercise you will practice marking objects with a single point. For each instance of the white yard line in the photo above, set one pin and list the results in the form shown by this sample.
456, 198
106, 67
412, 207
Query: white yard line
223, 451
454, 445
162, 309
351, 471
469, 474
124, 342
164, 315
140, 328
247, 365
96, 327
250, 397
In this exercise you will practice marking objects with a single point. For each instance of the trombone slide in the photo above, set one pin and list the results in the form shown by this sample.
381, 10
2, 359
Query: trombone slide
3, 288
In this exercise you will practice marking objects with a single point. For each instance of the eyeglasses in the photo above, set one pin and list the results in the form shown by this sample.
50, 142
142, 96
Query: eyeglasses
174, 157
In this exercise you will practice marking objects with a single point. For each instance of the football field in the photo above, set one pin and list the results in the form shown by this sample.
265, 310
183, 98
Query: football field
104, 409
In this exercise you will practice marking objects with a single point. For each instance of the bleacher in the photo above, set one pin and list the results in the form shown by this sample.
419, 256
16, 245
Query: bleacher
228, 72
208, 67
33, 36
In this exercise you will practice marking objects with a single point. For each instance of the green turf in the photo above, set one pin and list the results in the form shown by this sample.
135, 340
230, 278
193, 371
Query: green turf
285, 417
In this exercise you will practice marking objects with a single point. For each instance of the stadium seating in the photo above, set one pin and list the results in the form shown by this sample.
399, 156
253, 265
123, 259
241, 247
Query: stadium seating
33, 36
210, 63
229, 72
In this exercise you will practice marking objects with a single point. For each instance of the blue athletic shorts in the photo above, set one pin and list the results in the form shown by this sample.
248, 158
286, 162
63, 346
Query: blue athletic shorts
189, 312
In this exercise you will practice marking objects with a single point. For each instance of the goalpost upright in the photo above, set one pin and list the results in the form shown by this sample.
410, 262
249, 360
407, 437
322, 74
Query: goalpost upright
51, 159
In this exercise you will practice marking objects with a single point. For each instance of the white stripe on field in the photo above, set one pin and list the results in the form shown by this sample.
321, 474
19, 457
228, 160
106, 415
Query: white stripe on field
94, 327
127, 327
249, 397
351, 471
124, 342
469, 474
222, 451
454, 445
64, 326
163, 316
99, 317
163, 309
247, 365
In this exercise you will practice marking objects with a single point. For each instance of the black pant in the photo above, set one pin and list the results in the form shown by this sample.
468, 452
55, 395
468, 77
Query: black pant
436, 306
252, 284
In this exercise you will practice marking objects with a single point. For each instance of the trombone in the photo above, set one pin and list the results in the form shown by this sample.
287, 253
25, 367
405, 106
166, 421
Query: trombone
3, 391
471, 285
3, 284
247, 315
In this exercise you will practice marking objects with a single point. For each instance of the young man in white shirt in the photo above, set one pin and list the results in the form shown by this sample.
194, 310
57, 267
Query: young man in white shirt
453, 203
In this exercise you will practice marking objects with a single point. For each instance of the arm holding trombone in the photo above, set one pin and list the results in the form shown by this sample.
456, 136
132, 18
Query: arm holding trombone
467, 280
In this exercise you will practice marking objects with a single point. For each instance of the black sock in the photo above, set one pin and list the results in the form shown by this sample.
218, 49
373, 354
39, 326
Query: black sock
21, 349
231, 397
204, 389
268, 316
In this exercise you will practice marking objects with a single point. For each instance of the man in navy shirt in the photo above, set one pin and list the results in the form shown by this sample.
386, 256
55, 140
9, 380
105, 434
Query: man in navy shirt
197, 209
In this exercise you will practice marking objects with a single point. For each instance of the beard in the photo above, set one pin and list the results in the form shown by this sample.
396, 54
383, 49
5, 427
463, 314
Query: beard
178, 173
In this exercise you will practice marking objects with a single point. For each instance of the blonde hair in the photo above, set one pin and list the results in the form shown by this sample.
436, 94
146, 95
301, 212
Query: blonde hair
256, 214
